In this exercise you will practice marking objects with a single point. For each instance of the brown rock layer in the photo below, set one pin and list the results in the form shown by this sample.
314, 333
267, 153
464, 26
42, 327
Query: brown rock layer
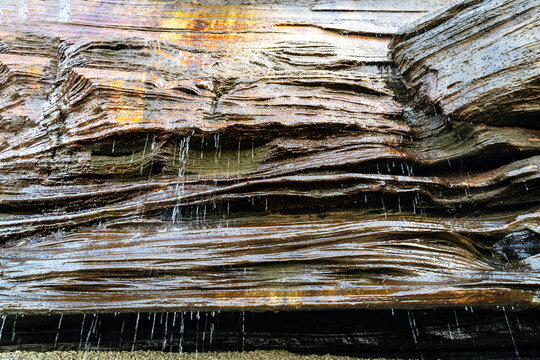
163, 156
476, 60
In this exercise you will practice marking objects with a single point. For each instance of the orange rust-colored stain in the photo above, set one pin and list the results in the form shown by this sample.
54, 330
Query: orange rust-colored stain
132, 112
217, 127
211, 27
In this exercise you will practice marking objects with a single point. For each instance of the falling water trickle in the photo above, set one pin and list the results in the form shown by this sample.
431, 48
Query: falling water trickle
92, 325
13, 329
211, 330
152, 159
3, 323
183, 157
122, 330
239, 151
144, 153
412, 324
243, 330
457, 322
58, 330
153, 327
204, 329
82, 329
181, 333
511, 333
197, 336
174, 153
202, 147
164, 345
450, 332
135, 335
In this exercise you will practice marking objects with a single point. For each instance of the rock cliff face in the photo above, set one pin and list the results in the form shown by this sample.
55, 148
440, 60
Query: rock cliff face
267, 155
476, 60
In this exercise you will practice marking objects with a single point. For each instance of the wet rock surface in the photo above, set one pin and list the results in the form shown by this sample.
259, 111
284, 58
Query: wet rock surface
476, 61
157, 156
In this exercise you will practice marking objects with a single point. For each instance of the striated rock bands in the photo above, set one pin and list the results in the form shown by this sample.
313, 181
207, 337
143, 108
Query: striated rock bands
165, 156
476, 60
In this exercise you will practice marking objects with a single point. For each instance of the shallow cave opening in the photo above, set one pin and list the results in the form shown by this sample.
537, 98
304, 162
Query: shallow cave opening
459, 333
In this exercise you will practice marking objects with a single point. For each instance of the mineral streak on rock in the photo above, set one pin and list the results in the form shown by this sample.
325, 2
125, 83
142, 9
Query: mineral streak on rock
161, 155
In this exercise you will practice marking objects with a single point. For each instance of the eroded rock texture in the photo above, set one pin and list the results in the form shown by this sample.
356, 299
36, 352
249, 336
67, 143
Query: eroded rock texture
477, 60
163, 155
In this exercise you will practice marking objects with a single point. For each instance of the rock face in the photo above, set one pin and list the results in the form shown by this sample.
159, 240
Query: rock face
477, 60
158, 156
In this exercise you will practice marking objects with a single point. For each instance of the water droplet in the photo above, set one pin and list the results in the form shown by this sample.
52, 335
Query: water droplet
511, 334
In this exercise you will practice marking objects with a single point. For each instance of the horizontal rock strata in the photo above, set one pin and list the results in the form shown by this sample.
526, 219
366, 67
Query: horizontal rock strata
476, 60
164, 157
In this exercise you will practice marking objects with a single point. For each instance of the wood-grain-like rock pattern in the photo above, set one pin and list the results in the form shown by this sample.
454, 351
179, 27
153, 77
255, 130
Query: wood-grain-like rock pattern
477, 60
165, 156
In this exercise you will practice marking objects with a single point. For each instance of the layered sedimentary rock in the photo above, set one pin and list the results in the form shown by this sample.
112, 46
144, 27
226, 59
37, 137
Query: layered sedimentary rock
476, 60
166, 156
